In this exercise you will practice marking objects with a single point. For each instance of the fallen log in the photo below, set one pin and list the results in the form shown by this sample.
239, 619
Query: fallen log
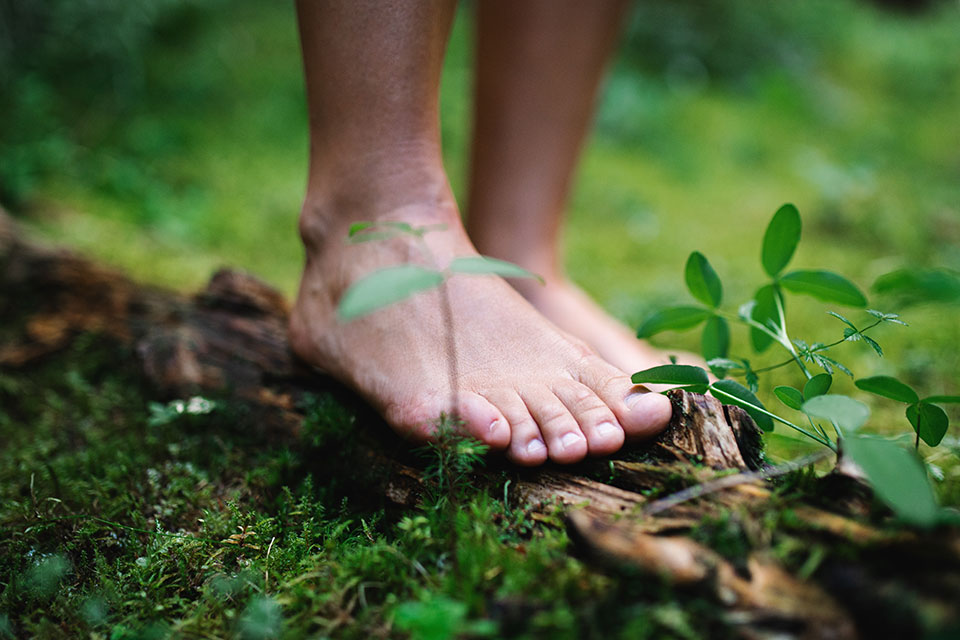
230, 339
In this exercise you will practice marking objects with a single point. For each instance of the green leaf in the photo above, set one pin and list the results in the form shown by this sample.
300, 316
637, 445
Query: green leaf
849, 414
845, 321
829, 364
789, 396
742, 397
780, 239
897, 476
886, 317
720, 367
372, 231
695, 388
920, 285
385, 287
817, 385
482, 265
716, 338
929, 420
888, 387
944, 399
824, 285
873, 343
671, 374
672, 318
702, 280
724, 363
764, 312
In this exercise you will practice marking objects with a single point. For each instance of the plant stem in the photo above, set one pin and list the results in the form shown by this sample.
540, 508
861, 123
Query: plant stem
836, 428
785, 339
817, 350
446, 308
818, 427
743, 403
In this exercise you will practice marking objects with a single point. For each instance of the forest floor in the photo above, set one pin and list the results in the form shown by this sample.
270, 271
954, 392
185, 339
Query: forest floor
277, 505
120, 517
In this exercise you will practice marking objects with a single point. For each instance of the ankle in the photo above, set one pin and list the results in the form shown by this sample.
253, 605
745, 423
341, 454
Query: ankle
418, 195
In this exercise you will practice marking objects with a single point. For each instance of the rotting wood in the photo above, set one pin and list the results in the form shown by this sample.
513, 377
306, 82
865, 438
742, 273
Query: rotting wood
765, 599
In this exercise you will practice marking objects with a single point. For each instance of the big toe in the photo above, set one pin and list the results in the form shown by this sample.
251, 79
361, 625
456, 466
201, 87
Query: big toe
641, 413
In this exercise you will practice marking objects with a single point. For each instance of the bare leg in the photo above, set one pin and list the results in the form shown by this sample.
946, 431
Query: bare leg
372, 71
539, 64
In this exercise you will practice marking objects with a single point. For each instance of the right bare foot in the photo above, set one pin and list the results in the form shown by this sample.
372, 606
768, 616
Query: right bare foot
522, 385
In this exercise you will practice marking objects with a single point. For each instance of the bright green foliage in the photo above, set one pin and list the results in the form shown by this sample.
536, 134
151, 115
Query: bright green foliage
702, 281
716, 338
765, 316
385, 287
671, 374
732, 392
780, 240
391, 285
897, 476
847, 413
888, 387
765, 313
361, 232
929, 421
439, 618
920, 285
484, 266
673, 318
824, 285
789, 396
817, 385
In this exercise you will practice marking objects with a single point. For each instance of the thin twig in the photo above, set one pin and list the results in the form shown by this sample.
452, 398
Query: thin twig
726, 482
266, 572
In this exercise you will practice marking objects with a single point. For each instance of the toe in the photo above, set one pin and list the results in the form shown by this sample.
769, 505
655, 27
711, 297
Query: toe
597, 422
640, 412
559, 429
649, 412
484, 421
526, 443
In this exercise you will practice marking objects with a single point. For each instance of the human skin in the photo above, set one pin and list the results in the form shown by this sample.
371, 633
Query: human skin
523, 385
539, 64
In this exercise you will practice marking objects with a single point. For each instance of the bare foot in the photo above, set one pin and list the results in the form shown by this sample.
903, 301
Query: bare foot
522, 385
568, 307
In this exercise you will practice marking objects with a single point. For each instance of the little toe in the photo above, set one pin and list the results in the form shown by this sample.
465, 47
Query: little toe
641, 413
527, 447
559, 429
597, 422
484, 421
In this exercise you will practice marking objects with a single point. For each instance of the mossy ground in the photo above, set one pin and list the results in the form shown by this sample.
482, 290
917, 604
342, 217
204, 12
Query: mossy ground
120, 521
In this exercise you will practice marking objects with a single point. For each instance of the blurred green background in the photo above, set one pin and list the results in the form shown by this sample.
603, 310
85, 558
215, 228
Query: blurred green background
168, 137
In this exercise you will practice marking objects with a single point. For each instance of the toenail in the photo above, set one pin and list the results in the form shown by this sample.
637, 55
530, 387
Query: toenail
605, 429
536, 447
570, 439
494, 425
640, 399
